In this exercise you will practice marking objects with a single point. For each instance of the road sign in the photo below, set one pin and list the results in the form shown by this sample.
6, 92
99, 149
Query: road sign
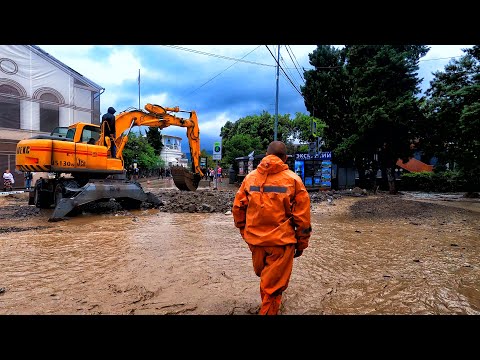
217, 150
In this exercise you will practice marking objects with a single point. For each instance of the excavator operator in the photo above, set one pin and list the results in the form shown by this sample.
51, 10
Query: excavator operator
108, 127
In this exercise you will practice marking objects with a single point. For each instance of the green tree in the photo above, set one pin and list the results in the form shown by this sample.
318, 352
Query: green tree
138, 148
154, 138
384, 106
302, 127
452, 110
366, 95
240, 145
258, 131
327, 93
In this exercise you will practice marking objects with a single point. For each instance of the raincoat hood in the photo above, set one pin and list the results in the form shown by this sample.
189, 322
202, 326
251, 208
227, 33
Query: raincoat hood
271, 164
111, 110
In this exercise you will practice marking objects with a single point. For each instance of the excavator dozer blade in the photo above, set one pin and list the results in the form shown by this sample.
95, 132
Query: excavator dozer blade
184, 179
101, 189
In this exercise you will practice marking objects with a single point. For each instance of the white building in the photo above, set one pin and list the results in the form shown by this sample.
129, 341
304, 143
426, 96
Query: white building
172, 151
37, 94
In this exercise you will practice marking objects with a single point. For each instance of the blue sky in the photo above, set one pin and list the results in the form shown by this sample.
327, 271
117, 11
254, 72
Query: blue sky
217, 86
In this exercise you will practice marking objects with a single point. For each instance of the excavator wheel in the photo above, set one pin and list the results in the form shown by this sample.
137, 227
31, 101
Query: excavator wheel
184, 179
41, 199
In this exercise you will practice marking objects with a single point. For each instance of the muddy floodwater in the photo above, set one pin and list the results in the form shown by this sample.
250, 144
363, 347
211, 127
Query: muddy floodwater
377, 254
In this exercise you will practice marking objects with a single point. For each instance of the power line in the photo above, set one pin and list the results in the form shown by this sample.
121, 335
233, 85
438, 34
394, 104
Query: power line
269, 65
288, 51
295, 58
283, 70
217, 56
205, 83
451, 57
289, 72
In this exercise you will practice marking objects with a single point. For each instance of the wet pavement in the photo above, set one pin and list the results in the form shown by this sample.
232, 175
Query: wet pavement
367, 255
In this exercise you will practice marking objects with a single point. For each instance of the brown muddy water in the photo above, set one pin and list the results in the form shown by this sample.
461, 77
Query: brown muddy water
378, 254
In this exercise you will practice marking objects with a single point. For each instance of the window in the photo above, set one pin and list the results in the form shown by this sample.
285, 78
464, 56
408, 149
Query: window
48, 112
71, 133
90, 132
9, 107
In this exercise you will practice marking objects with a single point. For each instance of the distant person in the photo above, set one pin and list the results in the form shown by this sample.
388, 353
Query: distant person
272, 210
129, 172
108, 127
28, 179
8, 180
219, 174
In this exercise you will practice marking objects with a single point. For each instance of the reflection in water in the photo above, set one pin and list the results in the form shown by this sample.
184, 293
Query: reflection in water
149, 262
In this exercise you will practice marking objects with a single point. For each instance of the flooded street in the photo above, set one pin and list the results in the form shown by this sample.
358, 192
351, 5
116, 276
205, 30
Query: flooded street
367, 255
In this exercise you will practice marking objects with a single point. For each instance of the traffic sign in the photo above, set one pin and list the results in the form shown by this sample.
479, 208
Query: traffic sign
217, 150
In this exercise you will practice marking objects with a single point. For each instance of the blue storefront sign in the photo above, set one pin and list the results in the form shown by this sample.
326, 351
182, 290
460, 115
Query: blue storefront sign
327, 155
315, 170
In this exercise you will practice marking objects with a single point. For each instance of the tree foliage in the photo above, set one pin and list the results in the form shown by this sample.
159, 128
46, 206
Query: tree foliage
252, 133
138, 148
366, 96
154, 138
452, 110
327, 96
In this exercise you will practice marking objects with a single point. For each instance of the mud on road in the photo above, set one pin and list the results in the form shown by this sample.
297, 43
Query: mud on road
375, 254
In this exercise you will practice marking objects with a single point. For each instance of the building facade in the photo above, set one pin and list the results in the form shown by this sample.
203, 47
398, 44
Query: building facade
172, 151
37, 94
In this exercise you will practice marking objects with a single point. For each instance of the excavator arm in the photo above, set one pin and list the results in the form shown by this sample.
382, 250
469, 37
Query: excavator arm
161, 117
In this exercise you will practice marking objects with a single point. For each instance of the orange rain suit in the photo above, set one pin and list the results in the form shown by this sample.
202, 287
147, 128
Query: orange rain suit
272, 211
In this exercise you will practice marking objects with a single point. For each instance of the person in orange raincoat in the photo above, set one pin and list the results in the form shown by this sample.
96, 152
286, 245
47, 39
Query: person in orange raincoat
272, 211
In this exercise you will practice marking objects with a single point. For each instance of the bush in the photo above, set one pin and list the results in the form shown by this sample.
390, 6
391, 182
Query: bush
447, 181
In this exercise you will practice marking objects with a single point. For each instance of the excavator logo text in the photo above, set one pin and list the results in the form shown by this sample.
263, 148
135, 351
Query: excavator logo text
23, 150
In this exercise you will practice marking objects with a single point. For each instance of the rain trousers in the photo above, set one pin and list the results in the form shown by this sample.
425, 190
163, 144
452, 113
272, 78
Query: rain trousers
272, 210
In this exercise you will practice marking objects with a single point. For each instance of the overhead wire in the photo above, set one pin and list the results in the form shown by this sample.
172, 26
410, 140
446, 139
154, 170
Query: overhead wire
289, 72
293, 61
218, 56
284, 74
281, 68
270, 65
237, 61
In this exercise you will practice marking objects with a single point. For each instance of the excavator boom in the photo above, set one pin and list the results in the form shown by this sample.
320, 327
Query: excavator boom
84, 155
161, 117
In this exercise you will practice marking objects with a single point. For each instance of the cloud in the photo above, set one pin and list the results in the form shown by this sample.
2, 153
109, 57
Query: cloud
218, 89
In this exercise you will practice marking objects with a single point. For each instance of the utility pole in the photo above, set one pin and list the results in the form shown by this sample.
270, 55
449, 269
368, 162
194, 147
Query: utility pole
139, 89
276, 98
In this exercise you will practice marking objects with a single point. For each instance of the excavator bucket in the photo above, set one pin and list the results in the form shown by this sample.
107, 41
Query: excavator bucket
123, 191
184, 179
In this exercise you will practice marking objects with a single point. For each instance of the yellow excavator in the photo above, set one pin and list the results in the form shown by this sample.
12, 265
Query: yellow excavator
84, 170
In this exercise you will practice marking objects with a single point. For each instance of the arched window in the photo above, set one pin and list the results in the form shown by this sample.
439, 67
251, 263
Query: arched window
48, 112
9, 107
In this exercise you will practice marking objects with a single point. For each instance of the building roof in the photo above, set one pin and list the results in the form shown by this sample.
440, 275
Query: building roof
37, 50
171, 136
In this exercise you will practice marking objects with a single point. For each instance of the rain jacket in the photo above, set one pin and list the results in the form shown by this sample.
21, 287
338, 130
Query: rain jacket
272, 206
109, 118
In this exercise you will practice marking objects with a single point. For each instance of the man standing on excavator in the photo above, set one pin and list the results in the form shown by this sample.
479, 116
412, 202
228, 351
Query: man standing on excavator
108, 127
